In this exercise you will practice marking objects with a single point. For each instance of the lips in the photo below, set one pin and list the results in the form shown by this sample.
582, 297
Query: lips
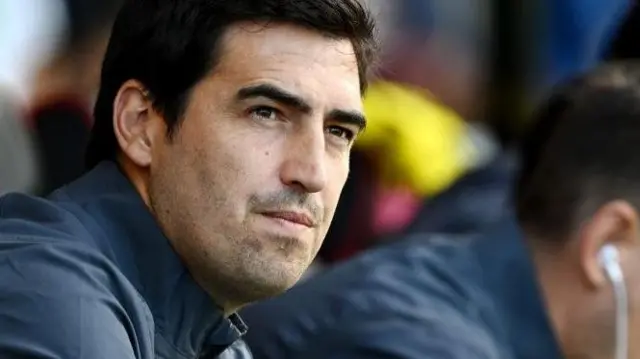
299, 218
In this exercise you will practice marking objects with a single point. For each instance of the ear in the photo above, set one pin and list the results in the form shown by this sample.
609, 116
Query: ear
135, 123
615, 223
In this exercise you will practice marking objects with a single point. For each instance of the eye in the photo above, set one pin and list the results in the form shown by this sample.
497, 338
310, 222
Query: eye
263, 113
341, 132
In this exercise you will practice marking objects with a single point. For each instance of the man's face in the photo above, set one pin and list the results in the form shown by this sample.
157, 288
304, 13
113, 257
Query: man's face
248, 185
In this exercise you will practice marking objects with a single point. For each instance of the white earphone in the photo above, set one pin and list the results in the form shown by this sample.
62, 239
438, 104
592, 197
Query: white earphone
610, 261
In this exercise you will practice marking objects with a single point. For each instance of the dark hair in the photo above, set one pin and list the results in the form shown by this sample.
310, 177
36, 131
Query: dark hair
580, 153
169, 45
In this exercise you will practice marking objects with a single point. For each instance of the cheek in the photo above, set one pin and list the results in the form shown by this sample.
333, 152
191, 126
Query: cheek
243, 163
336, 181
207, 169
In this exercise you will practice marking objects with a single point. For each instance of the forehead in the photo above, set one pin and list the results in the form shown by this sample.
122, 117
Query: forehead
319, 68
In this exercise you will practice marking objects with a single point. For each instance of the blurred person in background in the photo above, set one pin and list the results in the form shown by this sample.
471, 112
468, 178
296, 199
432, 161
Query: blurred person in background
64, 90
220, 147
561, 280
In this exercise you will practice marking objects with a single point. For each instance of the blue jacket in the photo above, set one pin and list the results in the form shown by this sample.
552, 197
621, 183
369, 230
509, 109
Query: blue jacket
429, 297
88, 274
478, 200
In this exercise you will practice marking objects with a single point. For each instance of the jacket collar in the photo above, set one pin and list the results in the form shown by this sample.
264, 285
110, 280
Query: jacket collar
508, 273
185, 316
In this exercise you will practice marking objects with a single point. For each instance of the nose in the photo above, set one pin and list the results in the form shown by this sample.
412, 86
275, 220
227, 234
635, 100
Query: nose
304, 161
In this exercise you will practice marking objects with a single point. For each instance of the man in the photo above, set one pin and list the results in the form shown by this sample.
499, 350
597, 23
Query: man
220, 147
538, 288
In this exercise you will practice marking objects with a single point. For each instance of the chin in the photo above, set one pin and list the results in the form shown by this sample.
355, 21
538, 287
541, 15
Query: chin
273, 282
263, 268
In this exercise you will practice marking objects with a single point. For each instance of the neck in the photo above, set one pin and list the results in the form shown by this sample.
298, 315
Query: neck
553, 276
137, 177
583, 327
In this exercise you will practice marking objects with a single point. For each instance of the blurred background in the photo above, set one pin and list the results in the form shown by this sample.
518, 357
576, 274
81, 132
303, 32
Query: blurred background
456, 82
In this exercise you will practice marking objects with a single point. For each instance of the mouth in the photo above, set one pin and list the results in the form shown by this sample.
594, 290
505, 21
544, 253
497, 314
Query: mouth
291, 217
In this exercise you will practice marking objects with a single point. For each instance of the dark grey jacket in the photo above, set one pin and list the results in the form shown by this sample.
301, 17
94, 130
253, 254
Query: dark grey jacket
88, 274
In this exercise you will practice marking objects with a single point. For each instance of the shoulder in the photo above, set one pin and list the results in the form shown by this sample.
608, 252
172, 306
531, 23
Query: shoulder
38, 219
50, 239
60, 299
44, 246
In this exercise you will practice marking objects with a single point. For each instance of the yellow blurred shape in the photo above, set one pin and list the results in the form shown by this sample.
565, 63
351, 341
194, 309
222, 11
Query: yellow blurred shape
417, 141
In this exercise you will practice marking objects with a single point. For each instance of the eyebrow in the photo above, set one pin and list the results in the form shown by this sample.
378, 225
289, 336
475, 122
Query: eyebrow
349, 118
288, 99
276, 94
